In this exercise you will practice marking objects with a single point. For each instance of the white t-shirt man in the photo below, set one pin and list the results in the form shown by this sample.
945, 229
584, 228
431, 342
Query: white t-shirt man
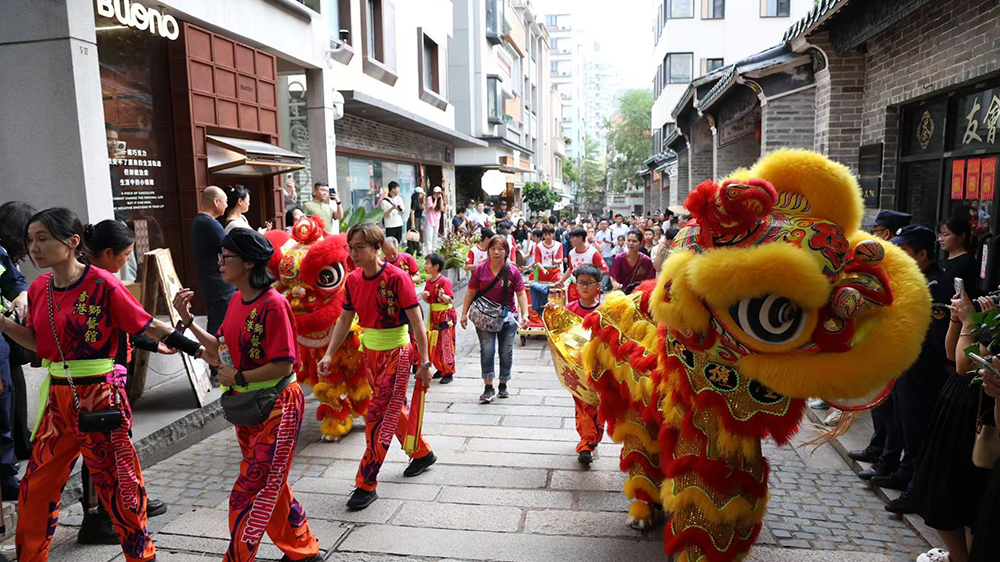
619, 230
390, 211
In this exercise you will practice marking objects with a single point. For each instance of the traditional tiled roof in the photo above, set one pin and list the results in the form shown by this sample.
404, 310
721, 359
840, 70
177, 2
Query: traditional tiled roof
820, 11
672, 137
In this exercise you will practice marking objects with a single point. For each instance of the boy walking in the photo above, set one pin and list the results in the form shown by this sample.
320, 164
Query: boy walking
438, 294
588, 424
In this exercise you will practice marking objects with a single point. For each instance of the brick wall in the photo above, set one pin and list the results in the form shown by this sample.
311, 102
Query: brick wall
741, 153
683, 183
789, 121
839, 94
940, 46
362, 134
701, 167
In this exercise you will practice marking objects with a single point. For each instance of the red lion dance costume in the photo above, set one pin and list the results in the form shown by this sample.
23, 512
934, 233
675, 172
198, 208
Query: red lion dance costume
311, 267
771, 295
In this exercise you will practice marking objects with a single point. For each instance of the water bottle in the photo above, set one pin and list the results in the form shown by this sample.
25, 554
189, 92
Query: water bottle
224, 352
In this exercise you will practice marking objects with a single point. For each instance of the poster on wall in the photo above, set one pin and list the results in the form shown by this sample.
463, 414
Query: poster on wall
972, 179
957, 179
987, 178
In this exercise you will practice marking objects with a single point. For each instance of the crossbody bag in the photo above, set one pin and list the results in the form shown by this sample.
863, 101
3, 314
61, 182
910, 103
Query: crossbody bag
486, 314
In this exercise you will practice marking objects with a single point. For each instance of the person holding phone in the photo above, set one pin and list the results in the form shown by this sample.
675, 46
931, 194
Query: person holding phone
392, 212
321, 206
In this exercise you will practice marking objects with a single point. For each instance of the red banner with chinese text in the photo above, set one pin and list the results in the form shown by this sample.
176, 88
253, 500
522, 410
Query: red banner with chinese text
972, 179
957, 179
987, 177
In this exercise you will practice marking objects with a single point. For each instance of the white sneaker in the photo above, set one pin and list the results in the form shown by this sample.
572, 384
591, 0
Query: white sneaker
817, 404
934, 555
833, 418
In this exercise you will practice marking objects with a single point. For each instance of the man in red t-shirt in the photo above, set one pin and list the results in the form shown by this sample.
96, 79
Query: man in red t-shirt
402, 260
581, 253
385, 302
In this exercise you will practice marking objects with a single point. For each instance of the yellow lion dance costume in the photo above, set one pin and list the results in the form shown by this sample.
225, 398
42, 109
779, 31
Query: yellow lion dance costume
771, 295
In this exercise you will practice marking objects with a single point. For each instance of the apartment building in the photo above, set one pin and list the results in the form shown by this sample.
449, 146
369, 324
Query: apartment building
497, 62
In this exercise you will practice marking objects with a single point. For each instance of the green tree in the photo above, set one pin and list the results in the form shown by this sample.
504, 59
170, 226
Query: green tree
539, 196
592, 176
628, 138
570, 173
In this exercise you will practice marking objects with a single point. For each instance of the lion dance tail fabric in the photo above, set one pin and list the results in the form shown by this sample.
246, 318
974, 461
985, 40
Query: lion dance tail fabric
771, 295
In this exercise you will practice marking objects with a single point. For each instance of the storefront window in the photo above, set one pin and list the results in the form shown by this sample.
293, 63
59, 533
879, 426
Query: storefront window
139, 127
295, 129
922, 181
367, 180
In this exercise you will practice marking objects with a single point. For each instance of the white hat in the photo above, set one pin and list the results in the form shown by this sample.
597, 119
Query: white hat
419, 190
437, 189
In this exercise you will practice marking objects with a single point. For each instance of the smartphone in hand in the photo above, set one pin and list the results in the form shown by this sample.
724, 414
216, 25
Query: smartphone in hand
959, 286
986, 364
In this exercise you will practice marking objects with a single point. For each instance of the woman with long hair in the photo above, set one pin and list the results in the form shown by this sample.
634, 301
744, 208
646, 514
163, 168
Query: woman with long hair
258, 350
109, 245
76, 314
237, 203
956, 239
631, 267
498, 280
14, 217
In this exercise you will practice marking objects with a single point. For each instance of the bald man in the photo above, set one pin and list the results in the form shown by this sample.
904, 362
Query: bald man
206, 241
402, 260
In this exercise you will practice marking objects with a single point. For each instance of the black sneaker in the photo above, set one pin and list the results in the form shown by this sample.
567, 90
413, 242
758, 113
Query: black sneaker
894, 481
487, 396
318, 557
418, 466
585, 458
877, 469
155, 507
446, 379
436, 375
901, 505
361, 499
10, 489
868, 454
97, 529
503, 392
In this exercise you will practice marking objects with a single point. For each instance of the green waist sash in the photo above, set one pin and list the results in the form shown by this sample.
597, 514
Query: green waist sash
78, 368
386, 338
252, 386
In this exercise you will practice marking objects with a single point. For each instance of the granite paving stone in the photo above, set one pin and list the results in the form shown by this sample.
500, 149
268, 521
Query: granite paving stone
458, 516
534, 499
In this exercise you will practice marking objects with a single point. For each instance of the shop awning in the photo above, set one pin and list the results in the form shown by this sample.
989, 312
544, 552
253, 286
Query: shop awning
242, 157
375, 109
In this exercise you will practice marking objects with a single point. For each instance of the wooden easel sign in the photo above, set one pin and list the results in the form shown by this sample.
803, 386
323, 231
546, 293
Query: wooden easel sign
160, 281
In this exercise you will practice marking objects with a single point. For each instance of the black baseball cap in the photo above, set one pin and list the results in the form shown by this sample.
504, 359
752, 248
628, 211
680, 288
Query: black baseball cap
918, 236
892, 220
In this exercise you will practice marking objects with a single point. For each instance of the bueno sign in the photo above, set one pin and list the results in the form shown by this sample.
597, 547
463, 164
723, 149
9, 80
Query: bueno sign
140, 17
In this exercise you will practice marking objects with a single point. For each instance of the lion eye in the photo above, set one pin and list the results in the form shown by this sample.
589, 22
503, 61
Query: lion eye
772, 319
330, 276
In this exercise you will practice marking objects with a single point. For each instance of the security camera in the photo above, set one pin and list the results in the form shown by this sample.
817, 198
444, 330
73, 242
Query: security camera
345, 35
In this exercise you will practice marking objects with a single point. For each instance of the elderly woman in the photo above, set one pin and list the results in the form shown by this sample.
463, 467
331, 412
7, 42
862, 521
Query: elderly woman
497, 281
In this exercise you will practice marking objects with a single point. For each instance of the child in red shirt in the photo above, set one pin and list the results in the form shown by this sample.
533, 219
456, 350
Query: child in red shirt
588, 424
582, 253
548, 256
441, 320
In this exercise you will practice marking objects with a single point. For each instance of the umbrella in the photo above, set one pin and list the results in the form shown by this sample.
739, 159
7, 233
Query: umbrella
679, 210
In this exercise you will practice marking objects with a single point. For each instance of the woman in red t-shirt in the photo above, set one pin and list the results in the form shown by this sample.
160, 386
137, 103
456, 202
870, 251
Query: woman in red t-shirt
261, 499
77, 312
385, 302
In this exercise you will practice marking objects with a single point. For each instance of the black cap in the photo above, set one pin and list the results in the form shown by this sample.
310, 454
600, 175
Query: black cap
918, 236
892, 220
251, 245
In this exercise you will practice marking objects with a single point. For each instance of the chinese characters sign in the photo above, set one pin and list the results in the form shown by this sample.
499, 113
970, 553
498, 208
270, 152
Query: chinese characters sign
979, 115
958, 179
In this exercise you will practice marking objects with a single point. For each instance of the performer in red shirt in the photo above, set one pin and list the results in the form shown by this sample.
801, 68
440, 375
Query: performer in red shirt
441, 320
402, 260
261, 500
548, 256
385, 302
87, 307
589, 425
479, 253
581, 253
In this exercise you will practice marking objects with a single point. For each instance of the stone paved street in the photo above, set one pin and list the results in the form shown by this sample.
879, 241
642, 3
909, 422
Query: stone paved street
507, 486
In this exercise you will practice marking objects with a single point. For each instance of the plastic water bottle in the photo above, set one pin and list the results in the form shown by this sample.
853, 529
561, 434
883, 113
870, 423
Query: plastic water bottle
224, 355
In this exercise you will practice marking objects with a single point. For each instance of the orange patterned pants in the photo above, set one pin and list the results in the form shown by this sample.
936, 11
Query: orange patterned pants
114, 469
388, 374
262, 500
442, 332
588, 425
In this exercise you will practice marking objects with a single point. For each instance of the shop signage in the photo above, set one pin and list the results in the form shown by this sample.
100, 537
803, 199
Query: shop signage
972, 179
870, 173
140, 17
979, 117
957, 179
988, 178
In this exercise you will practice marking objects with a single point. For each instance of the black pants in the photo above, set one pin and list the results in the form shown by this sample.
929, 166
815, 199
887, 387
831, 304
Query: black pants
8, 461
19, 424
216, 314
396, 232
913, 399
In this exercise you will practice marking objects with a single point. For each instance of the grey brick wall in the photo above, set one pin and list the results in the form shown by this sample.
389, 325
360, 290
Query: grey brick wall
362, 134
839, 95
942, 45
742, 153
683, 183
789, 121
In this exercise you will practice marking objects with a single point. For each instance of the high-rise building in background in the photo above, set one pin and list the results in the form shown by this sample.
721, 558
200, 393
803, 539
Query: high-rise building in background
693, 38
599, 104
566, 72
